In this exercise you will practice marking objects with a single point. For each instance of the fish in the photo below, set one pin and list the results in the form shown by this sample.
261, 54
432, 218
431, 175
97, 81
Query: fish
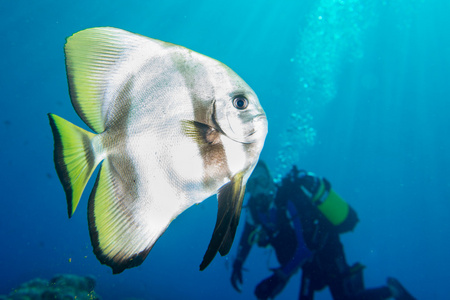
168, 128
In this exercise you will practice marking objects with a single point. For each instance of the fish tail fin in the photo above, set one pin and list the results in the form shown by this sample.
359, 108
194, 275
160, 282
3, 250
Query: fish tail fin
74, 156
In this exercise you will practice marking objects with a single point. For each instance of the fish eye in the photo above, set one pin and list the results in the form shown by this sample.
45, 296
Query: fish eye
240, 102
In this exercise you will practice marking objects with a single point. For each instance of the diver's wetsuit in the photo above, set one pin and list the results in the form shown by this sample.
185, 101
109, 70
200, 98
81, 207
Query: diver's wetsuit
302, 237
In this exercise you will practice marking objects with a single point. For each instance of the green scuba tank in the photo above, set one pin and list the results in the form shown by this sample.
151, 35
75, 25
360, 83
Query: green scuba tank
334, 208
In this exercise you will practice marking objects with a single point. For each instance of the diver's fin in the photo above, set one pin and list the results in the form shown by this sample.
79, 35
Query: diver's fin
74, 158
124, 226
397, 290
230, 198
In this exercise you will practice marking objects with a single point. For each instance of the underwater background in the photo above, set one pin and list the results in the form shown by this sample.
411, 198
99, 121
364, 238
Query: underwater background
355, 91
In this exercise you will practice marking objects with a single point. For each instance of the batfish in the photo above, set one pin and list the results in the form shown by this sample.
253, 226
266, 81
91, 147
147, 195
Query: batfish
171, 127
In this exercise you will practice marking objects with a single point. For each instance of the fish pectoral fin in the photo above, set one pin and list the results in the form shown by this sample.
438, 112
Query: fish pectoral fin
201, 133
122, 226
230, 198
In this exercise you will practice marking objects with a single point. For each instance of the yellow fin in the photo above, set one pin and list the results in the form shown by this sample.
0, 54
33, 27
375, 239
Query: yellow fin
230, 198
93, 57
118, 222
201, 133
74, 158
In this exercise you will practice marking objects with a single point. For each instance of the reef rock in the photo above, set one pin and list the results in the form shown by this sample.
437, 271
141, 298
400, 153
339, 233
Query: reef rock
60, 287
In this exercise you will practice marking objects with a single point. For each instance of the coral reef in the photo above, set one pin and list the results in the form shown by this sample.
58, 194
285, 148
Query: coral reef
60, 287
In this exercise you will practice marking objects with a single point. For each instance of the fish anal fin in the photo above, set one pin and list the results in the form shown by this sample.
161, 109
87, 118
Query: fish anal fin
122, 230
230, 199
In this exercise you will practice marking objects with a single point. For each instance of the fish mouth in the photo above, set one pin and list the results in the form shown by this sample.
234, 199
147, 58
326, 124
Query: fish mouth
253, 135
257, 120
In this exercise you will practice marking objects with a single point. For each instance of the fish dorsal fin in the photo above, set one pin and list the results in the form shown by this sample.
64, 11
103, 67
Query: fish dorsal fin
99, 61
230, 199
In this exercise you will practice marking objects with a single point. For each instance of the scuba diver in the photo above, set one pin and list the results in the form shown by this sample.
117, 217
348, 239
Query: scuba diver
301, 219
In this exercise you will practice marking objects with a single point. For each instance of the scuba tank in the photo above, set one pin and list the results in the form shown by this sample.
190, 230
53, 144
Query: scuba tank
338, 212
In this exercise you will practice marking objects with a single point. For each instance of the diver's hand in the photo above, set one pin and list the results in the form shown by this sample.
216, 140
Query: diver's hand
271, 286
236, 276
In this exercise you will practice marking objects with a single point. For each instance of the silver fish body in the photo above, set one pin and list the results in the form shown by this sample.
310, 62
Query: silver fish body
173, 127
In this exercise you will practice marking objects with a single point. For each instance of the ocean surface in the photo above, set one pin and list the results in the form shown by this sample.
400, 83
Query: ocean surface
355, 91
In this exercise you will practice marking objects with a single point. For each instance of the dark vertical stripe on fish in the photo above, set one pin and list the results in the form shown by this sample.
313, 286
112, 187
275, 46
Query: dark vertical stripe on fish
214, 157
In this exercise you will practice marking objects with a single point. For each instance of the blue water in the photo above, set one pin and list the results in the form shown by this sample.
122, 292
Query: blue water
356, 91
